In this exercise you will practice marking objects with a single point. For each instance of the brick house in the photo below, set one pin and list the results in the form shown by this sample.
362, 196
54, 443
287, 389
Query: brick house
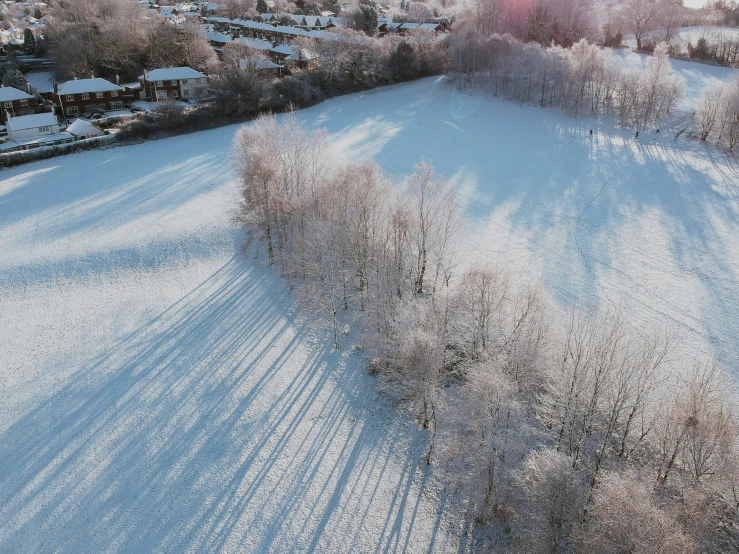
15, 102
83, 95
173, 83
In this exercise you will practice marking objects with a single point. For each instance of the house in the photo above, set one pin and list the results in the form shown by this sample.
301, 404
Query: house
31, 126
219, 40
84, 95
256, 65
15, 102
81, 129
173, 82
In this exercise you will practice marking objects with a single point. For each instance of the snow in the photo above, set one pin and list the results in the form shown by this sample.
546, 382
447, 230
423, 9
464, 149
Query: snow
43, 81
8, 94
161, 394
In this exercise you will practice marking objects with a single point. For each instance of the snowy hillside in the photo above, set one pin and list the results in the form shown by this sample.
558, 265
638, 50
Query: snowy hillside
159, 393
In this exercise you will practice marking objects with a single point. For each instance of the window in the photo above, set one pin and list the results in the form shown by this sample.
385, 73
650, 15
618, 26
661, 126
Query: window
99, 95
8, 104
184, 81
160, 83
174, 83
186, 92
24, 102
44, 129
69, 98
116, 105
161, 95
72, 110
85, 96
114, 94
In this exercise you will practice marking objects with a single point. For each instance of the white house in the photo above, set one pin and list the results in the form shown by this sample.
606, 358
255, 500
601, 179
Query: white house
30, 126
81, 129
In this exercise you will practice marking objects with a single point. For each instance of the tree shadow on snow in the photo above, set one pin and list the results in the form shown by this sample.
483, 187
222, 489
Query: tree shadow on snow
225, 424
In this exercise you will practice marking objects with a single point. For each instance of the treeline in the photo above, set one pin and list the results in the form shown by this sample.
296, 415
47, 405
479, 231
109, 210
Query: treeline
241, 90
720, 46
565, 22
555, 434
584, 79
718, 114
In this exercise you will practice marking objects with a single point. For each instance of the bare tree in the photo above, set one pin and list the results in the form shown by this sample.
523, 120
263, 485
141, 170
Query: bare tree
625, 517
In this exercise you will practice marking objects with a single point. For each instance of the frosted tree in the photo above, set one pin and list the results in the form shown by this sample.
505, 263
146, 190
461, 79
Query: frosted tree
625, 517
553, 498
14, 78
435, 222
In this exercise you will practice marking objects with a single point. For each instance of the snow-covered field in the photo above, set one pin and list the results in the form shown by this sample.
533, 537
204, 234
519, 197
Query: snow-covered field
42, 81
159, 393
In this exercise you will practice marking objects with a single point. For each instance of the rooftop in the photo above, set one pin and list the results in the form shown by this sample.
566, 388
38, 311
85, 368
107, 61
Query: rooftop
78, 86
31, 121
172, 74
8, 94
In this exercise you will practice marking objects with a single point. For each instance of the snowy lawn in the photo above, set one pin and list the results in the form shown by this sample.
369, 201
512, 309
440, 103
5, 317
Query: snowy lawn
43, 81
159, 393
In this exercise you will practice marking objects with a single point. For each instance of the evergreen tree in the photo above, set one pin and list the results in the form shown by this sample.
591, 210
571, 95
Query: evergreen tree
262, 6
369, 15
29, 41
14, 78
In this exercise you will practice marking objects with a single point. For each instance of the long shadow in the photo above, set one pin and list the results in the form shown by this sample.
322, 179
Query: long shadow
217, 426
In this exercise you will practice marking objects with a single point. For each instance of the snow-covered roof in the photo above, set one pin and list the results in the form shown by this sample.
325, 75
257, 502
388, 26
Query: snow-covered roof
80, 127
31, 121
173, 74
8, 94
218, 37
284, 49
255, 43
78, 86
258, 63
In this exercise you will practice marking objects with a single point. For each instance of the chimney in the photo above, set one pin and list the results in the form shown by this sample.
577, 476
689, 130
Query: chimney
117, 79
56, 86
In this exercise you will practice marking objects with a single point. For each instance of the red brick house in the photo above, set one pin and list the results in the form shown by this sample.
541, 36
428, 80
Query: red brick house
83, 95
173, 83
15, 102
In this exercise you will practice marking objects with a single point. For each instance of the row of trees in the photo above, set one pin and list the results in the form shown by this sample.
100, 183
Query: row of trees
583, 79
565, 22
573, 433
718, 114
